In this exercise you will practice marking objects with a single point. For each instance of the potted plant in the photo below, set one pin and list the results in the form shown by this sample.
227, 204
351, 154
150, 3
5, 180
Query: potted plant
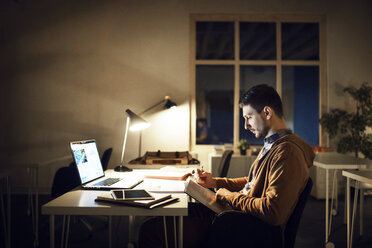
350, 128
243, 146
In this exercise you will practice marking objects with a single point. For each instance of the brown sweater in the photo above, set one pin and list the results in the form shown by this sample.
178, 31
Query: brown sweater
279, 181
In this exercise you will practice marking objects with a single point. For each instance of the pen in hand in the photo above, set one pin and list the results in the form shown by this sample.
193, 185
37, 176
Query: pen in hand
205, 179
197, 175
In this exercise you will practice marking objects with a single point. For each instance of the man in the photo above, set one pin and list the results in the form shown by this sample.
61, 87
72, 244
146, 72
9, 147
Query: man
276, 179
280, 172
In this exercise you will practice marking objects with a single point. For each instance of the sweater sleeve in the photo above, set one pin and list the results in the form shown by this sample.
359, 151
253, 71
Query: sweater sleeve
285, 176
235, 184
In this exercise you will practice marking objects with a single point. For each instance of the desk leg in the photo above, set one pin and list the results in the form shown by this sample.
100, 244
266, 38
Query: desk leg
345, 204
348, 212
51, 231
333, 211
110, 231
180, 232
33, 207
327, 206
361, 207
165, 232
335, 197
67, 230
63, 230
175, 231
8, 210
29, 192
354, 212
131, 220
36, 244
4, 217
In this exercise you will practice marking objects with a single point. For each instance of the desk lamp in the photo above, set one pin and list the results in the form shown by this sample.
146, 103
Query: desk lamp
134, 123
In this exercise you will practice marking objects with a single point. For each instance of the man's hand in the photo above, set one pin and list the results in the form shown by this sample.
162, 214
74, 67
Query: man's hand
205, 179
221, 195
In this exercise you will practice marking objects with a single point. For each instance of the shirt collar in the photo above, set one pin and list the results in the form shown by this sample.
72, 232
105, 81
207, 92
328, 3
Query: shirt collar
274, 137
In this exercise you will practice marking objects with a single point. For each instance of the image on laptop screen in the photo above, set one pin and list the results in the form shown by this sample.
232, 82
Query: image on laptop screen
87, 160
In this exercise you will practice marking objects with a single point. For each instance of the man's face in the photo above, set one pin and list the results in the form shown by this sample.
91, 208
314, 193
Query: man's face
254, 121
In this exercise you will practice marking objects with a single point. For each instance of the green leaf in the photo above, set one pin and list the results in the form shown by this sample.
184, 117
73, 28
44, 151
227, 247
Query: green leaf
350, 128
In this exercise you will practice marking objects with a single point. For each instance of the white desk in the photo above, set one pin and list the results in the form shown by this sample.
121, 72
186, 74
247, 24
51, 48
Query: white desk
359, 177
82, 202
334, 161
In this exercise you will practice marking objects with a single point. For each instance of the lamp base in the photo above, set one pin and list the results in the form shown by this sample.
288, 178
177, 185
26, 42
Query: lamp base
122, 168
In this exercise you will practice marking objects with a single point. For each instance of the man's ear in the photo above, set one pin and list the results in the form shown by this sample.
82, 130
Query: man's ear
268, 112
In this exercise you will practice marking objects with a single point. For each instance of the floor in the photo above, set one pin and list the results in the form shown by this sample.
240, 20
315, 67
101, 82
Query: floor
310, 233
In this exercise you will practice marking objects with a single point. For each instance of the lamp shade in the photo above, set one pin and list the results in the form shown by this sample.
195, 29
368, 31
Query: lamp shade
169, 104
136, 122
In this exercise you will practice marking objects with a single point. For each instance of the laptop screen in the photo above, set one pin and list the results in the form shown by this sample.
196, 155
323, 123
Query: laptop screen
87, 159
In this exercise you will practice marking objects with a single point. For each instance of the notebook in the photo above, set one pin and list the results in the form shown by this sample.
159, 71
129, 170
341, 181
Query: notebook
204, 196
160, 200
92, 176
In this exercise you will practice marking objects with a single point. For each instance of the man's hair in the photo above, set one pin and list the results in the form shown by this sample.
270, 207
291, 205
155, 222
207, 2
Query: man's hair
260, 96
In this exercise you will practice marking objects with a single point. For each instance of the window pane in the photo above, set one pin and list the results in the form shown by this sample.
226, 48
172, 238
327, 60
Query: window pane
300, 90
251, 76
215, 40
214, 104
257, 40
300, 41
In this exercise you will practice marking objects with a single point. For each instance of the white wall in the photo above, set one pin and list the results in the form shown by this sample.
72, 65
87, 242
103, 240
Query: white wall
69, 69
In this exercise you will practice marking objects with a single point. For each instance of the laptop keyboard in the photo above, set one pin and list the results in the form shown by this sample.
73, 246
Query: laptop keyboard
108, 182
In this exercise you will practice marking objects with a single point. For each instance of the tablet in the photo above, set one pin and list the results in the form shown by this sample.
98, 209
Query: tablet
131, 194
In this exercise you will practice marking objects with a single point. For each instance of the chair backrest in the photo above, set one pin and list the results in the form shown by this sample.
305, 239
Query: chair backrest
225, 163
65, 179
294, 220
106, 158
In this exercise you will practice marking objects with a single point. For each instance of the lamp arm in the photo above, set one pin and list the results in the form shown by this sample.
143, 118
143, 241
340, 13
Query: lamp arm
141, 114
125, 140
151, 107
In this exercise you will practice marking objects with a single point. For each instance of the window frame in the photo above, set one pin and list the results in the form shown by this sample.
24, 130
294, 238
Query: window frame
236, 62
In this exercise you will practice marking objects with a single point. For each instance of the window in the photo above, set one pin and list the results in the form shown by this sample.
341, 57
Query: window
215, 101
231, 53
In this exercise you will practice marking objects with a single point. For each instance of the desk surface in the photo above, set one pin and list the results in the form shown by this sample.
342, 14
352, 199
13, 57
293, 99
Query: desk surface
156, 185
162, 166
361, 176
82, 202
334, 160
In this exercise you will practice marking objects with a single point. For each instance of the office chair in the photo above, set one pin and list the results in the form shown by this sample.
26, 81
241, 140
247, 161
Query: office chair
294, 220
105, 158
65, 179
239, 220
223, 168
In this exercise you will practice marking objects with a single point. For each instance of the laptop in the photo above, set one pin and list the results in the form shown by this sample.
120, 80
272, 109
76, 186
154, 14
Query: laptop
92, 176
